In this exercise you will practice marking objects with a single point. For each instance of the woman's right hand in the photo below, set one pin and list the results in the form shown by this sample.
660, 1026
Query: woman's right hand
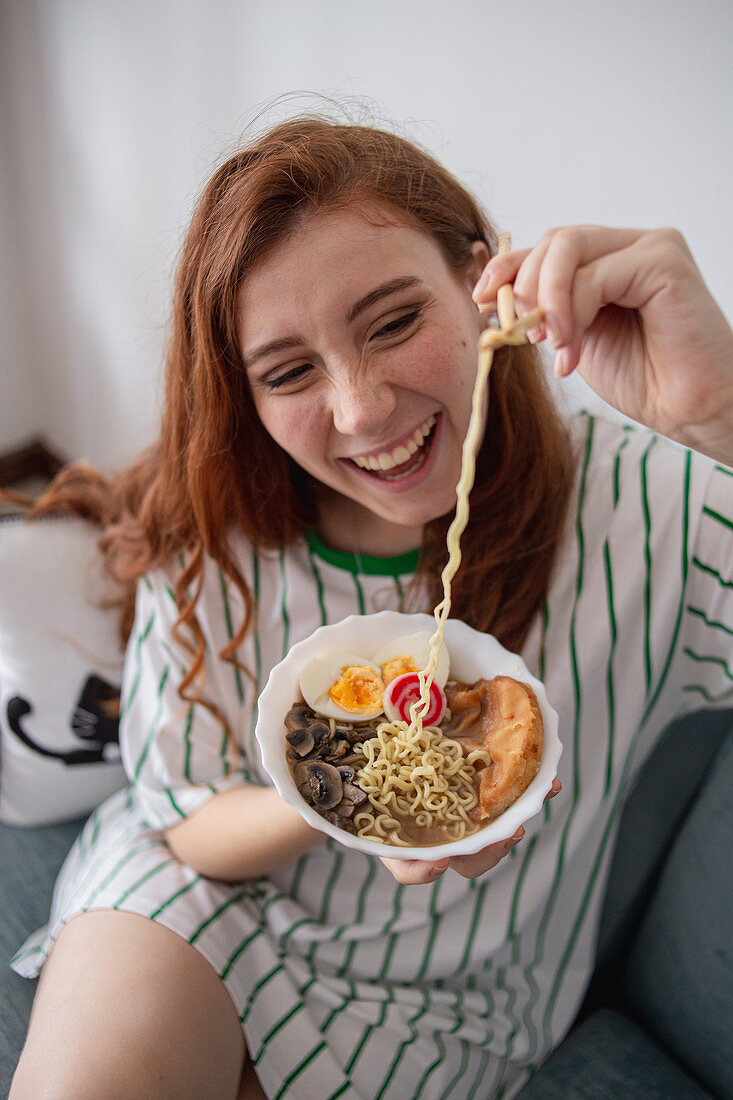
629, 309
420, 872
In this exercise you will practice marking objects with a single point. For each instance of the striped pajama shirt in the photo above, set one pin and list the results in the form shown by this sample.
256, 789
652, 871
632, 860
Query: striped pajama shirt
347, 983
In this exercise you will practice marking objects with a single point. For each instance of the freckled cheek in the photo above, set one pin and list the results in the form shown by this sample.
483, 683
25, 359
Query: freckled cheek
422, 365
302, 431
442, 367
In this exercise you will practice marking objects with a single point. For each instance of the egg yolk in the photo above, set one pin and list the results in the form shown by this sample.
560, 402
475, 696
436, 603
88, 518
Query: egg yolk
397, 666
359, 690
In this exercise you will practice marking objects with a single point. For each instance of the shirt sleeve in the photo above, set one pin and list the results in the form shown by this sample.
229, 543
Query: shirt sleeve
176, 754
706, 656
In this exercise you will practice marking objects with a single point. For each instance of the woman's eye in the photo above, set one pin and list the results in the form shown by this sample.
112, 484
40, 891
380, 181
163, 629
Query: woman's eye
400, 324
295, 374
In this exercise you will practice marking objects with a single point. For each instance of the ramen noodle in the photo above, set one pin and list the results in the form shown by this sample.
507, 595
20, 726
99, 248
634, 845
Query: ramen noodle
511, 331
421, 786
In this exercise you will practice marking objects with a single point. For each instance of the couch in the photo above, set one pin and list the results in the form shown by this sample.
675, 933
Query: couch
658, 1018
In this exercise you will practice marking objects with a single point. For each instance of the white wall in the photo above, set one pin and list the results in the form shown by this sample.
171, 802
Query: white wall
580, 110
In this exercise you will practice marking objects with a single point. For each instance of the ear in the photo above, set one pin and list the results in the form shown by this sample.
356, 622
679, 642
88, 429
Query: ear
480, 256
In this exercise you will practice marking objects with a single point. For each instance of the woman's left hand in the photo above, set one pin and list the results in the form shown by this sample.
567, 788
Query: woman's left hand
629, 309
416, 872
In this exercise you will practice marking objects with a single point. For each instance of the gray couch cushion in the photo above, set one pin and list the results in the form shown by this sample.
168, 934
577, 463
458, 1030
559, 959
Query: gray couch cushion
679, 978
609, 1057
655, 810
30, 859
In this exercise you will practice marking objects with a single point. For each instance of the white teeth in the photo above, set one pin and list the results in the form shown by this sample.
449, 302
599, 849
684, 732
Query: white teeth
388, 460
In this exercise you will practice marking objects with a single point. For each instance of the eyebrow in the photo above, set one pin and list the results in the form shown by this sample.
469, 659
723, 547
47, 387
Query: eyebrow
264, 350
370, 299
380, 292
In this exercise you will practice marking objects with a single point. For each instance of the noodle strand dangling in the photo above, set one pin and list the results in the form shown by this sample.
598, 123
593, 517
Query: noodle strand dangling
511, 331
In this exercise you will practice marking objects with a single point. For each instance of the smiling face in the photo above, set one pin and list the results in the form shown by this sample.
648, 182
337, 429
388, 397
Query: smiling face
360, 348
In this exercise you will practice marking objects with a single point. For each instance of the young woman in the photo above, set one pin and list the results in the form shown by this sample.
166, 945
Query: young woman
319, 378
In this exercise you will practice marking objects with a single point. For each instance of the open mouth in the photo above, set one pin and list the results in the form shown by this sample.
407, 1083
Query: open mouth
403, 460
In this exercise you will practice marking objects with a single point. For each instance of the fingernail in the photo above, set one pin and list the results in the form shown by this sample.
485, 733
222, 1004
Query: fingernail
560, 368
438, 869
482, 282
509, 844
553, 330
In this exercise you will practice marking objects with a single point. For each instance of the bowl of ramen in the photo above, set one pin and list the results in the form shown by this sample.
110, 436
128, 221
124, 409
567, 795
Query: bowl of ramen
352, 738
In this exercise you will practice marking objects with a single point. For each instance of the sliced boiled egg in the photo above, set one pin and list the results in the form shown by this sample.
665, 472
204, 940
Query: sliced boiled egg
344, 686
411, 653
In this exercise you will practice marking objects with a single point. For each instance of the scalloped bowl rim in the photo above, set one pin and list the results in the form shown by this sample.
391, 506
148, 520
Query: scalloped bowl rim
473, 655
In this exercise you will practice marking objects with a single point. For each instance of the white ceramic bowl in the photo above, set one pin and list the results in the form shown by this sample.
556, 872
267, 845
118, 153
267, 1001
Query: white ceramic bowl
473, 655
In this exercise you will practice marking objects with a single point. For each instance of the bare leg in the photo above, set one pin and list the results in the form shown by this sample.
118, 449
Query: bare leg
250, 1087
126, 1008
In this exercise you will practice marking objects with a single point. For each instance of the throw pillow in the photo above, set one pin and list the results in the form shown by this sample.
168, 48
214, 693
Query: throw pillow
60, 672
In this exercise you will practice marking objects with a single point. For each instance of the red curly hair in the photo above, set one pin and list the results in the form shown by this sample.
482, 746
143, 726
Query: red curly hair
214, 466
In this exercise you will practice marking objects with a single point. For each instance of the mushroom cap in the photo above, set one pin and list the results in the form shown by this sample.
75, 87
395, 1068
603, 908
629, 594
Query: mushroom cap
298, 716
320, 730
324, 784
300, 740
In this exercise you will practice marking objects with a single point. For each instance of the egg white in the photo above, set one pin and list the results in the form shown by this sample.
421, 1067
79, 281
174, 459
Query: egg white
321, 673
417, 647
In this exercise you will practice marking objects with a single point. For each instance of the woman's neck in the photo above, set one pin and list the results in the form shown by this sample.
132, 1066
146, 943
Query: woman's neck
346, 526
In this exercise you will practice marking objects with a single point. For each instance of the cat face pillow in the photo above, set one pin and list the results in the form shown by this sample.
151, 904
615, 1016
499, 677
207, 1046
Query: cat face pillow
60, 672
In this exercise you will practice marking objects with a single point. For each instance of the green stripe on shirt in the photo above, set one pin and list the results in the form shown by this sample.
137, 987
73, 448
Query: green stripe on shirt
141, 639
577, 693
153, 727
319, 585
709, 622
648, 564
609, 666
685, 532
708, 659
718, 517
230, 631
284, 604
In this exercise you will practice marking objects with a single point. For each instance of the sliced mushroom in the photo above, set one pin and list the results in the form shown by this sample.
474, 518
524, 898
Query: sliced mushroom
352, 791
300, 775
320, 731
300, 740
298, 716
352, 734
352, 758
345, 808
323, 784
338, 748
354, 794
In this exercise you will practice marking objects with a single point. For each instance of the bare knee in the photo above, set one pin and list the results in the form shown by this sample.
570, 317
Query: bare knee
125, 1008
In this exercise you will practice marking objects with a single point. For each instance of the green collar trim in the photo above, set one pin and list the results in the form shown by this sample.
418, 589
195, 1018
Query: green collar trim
363, 563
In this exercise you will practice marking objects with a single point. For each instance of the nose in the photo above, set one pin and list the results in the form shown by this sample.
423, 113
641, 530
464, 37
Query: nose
361, 404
